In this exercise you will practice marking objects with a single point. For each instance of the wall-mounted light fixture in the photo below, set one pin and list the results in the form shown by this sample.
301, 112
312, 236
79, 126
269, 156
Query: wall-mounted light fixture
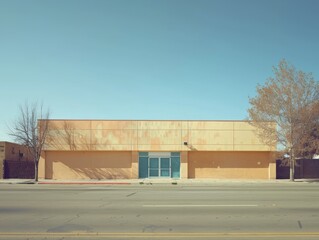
189, 146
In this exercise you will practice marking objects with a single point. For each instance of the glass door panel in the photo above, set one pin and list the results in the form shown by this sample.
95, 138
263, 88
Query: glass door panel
143, 167
164, 172
154, 167
165, 167
176, 166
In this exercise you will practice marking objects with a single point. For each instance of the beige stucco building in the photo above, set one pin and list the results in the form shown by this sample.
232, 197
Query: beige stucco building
108, 149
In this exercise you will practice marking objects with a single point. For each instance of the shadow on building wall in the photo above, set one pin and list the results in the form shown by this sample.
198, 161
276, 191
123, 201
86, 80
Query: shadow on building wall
89, 169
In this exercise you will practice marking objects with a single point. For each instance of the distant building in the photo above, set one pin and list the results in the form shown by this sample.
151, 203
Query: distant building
12, 157
108, 149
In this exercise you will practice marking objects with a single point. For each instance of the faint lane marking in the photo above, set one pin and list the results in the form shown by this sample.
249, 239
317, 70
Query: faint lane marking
171, 206
219, 235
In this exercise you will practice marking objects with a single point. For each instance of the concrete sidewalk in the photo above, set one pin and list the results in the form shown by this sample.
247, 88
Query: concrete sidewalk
188, 182
16, 181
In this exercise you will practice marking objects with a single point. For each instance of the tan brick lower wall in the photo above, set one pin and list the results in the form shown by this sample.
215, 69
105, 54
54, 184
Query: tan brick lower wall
124, 165
229, 165
88, 165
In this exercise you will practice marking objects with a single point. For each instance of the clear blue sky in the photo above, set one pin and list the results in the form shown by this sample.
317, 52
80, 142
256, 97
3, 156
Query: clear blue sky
147, 59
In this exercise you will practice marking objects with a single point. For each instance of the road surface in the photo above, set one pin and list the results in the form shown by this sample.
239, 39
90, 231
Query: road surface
163, 211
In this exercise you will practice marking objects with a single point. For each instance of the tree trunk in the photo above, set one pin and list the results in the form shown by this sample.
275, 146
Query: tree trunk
292, 168
36, 171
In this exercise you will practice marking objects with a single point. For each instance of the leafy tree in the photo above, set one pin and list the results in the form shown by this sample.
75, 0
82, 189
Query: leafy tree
309, 144
28, 132
290, 100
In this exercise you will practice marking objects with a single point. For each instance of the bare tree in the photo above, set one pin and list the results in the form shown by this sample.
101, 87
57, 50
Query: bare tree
289, 100
28, 132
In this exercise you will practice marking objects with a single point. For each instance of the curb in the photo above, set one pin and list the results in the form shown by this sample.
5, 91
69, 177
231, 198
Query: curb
85, 183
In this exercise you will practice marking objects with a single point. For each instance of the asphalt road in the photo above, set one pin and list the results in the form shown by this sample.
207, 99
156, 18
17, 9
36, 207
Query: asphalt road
213, 211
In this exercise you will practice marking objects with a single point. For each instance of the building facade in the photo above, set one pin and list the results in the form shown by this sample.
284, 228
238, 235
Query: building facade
107, 149
15, 161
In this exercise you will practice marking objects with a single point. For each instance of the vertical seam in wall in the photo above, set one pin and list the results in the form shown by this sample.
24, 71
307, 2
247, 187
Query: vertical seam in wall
233, 136
137, 147
187, 152
131, 129
269, 165
188, 133
181, 140
90, 148
91, 135
131, 159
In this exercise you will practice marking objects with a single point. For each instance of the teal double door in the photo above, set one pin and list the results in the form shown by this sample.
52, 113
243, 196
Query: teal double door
159, 165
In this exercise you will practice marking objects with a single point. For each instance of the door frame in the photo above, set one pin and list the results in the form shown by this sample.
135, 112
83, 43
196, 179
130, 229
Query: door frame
174, 167
159, 169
